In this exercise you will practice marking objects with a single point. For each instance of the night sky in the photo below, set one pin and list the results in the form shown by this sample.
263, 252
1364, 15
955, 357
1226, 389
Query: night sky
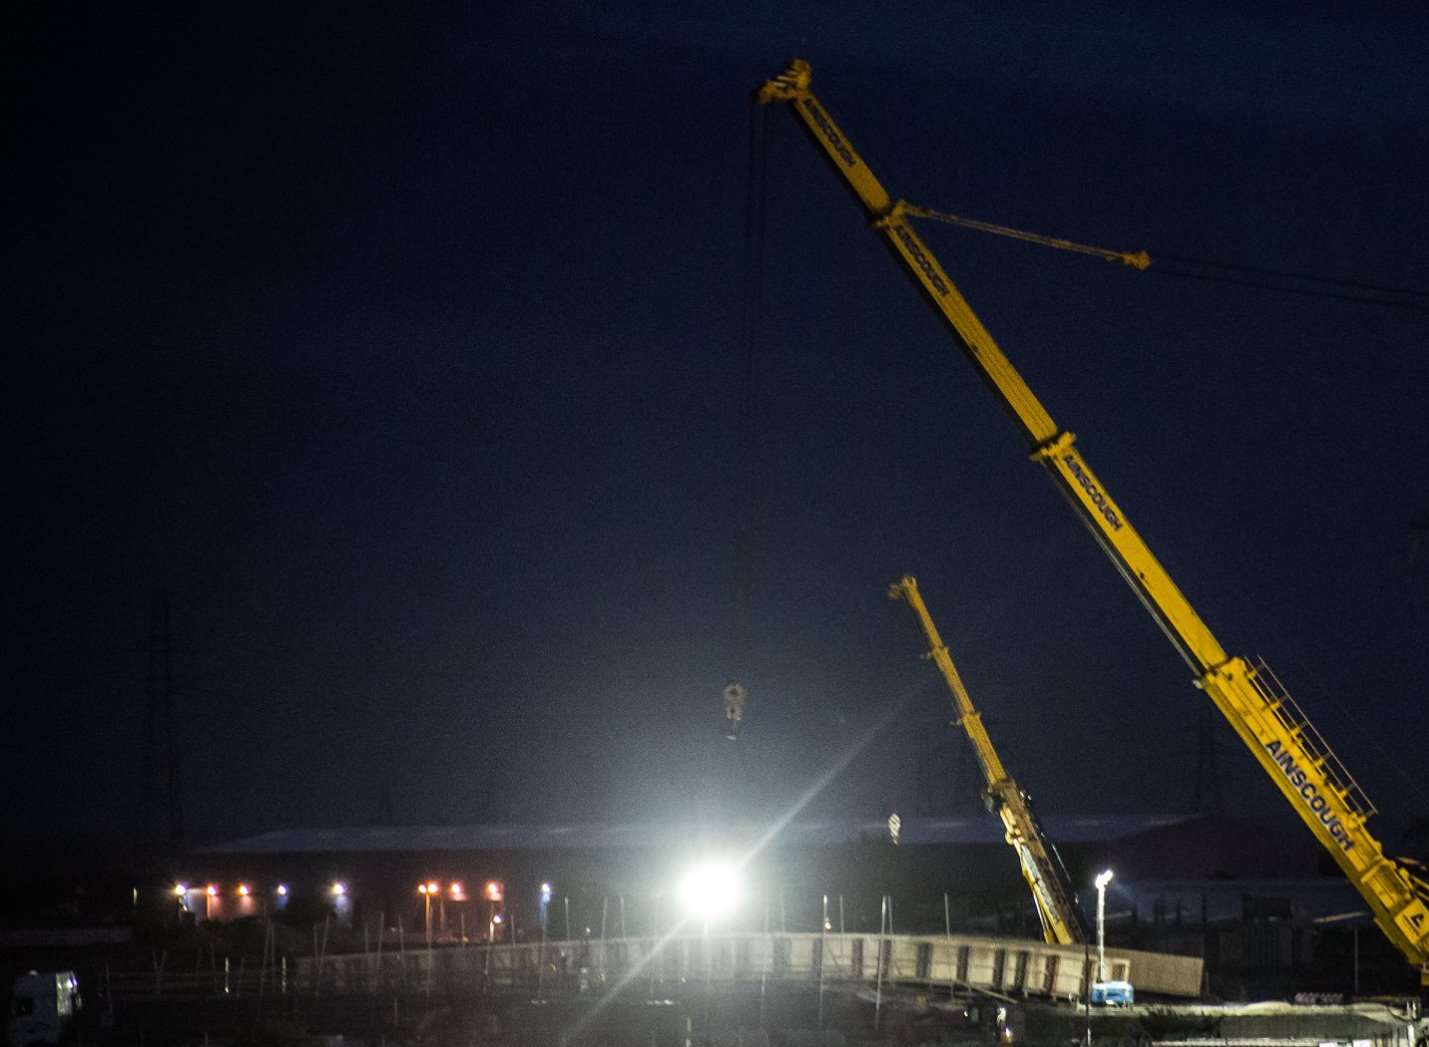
403, 347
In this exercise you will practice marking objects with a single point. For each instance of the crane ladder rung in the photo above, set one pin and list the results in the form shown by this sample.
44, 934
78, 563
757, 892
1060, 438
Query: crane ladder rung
1285, 709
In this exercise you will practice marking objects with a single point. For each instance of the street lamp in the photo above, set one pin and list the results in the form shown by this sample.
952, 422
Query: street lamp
494, 892
425, 891
1103, 878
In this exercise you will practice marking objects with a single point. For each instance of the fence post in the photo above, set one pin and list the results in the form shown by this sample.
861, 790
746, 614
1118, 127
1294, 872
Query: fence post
952, 961
381, 933
878, 996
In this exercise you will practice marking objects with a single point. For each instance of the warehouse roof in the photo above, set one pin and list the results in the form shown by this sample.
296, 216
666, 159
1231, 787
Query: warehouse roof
984, 829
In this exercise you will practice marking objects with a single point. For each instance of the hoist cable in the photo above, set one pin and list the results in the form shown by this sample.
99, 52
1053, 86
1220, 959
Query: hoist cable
746, 520
1203, 272
754, 239
1288, 275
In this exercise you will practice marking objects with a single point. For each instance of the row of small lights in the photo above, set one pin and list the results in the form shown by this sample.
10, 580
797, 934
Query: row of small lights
493, 890
455, 890
711, 888
337, 890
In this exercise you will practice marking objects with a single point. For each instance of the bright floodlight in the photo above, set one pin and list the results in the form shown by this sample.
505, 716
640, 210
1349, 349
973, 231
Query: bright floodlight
710, 889
546, 891
181, 889
339, 889
243, 890
213, 890
282, 888
1103, 878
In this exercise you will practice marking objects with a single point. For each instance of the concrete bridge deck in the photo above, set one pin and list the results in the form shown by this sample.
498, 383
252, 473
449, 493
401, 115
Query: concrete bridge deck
1009, 966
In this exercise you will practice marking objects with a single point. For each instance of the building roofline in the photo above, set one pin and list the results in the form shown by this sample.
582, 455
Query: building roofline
814, 833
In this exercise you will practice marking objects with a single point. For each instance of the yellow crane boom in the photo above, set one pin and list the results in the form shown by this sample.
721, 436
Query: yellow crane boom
1040, 867
1262, 713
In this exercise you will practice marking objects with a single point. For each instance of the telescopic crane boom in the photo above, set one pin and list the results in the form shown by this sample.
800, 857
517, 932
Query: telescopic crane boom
1041, 867
1280, 737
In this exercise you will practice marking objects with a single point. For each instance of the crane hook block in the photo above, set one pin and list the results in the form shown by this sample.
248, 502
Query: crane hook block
734, 698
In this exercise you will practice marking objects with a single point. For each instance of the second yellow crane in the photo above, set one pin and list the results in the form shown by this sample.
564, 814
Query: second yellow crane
1041, 867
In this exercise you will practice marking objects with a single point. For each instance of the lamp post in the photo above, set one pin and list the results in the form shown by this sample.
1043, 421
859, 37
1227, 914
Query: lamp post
1103, 878
493, 892
1355, 931
426, 894
457, 893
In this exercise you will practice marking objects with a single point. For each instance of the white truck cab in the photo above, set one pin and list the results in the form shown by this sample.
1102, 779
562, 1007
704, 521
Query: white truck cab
1113, 994
43, 1007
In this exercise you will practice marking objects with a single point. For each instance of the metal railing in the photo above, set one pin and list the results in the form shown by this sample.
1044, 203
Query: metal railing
959, 963
1313, 744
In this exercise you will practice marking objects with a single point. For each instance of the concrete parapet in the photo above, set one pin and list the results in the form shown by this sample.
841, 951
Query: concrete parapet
1012, 966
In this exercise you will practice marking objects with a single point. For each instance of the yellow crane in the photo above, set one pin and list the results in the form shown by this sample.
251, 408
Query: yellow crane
1041, 867
1264, 716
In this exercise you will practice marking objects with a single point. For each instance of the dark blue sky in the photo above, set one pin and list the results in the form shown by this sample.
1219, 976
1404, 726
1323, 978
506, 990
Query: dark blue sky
404, 349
